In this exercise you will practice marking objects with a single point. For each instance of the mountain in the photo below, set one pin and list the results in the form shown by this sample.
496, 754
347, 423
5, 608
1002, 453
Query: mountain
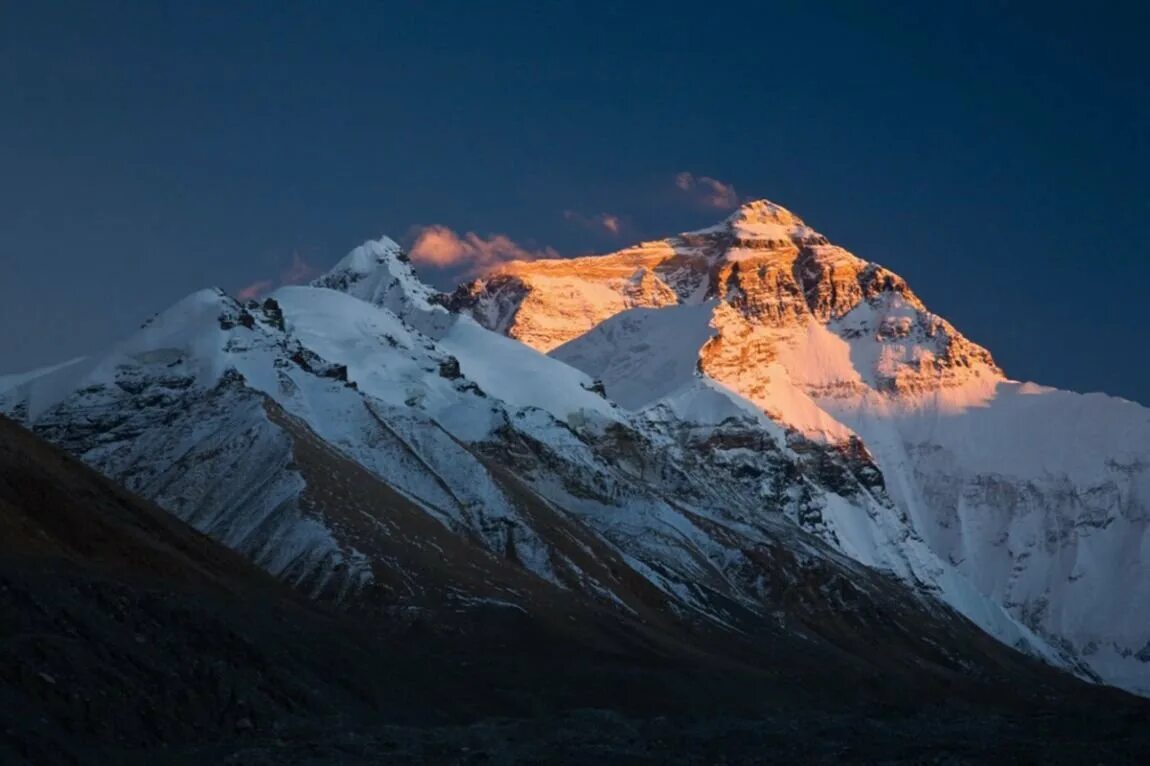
1001, 497
370, 447
692, 476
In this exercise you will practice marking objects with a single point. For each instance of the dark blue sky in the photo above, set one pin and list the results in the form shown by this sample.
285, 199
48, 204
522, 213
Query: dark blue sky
996, 156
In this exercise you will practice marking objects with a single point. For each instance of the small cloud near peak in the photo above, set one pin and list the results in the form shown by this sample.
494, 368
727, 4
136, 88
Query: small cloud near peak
255, 289
297, 272
441, 248
708, 191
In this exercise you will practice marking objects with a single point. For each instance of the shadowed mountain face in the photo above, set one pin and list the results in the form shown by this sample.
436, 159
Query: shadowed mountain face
122, 628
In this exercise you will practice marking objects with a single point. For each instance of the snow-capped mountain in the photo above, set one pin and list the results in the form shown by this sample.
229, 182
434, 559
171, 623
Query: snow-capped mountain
371, 447
990, 491
742, 429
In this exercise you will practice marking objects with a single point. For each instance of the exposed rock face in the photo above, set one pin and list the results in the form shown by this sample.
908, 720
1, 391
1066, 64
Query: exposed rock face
772, 275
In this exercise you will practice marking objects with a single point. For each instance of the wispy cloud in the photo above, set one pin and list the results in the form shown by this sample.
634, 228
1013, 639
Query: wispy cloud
441, 248
256, 289
708, 191
297, 272
604, 222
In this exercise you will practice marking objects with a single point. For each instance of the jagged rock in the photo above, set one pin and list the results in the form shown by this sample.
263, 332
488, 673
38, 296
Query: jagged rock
449, 368
273, 313
597, 387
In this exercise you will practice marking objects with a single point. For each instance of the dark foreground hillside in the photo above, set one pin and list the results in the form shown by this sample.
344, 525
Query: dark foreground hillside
127, 637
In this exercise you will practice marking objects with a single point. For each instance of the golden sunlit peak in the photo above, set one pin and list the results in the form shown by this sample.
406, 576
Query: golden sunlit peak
764, 211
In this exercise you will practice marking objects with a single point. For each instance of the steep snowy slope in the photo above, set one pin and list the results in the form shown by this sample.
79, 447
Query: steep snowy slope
1033, 499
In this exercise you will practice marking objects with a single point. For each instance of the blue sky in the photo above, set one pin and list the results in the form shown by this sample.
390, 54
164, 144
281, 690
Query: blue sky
994, 154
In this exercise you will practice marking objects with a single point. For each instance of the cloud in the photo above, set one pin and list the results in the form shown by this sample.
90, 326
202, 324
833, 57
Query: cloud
297, 272
441, 248
708, 191
255, 289
608, 222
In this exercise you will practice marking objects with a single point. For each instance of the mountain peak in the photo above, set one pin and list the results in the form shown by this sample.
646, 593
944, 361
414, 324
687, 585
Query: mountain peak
369, 256
762, 211
379, 272
763, 222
